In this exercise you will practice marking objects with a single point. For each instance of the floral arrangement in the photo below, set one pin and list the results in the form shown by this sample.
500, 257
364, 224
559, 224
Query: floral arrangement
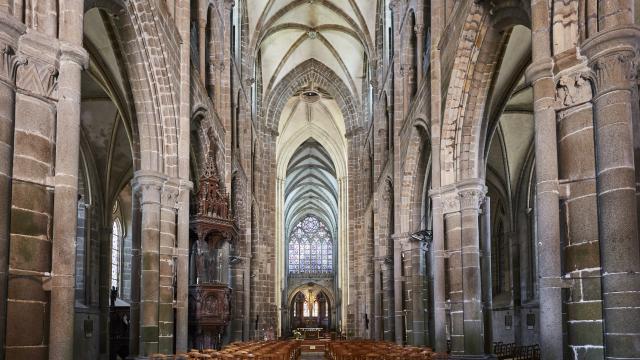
297, 334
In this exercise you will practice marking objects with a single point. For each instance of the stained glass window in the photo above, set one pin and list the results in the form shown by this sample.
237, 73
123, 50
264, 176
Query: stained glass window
310, 247
115, 253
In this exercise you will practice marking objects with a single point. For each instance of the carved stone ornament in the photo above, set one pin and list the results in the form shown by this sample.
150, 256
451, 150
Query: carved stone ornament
471, 199
573, 90
10, 63
38, 78
615, 71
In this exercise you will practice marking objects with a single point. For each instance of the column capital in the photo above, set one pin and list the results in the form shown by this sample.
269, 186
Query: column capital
471, 199
613, 56
419, 29
148, 185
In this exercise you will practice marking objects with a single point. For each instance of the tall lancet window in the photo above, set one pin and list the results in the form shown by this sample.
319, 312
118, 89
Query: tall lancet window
116, 238
310, 247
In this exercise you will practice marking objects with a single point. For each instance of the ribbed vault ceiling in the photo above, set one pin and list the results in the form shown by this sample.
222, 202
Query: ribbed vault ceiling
337, 33
311, 187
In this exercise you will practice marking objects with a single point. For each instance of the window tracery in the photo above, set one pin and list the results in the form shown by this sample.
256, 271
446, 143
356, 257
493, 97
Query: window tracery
310, 247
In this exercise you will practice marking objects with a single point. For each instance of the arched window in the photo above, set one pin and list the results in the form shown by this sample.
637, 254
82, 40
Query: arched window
116, 238
310, 247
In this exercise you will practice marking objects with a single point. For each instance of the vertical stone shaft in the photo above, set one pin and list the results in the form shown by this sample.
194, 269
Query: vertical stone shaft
377, 302
453, 236
418, 296
613, 55
397, 291
167, 246
150, 186
10, 30
72, 61
387, 301
419, 29
471, 276
437, 245
437, 270
485, 264
540, 75
184, 146
136, 258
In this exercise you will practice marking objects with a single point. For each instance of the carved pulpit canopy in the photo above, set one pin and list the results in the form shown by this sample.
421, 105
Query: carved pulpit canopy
211, 205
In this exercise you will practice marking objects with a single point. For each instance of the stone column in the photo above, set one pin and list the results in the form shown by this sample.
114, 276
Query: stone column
419, 29
10, 30
485, 264
540, 75
438, 255
470, 201
237, 320
419, 296
202, 42
73, 60
136, 259
452, 220
377, 302
167, 267
398, 308
149, 184
182, 264
613, 56
387, 298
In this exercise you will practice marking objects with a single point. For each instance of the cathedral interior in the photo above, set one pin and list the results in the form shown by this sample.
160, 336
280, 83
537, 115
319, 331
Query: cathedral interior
457, 175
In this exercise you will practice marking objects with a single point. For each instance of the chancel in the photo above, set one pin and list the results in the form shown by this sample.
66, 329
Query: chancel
319, 179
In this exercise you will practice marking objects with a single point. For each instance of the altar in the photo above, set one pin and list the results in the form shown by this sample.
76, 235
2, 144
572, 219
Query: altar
310, 333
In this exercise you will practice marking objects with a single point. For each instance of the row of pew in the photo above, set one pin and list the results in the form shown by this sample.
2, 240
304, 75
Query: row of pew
378, 350
254, 350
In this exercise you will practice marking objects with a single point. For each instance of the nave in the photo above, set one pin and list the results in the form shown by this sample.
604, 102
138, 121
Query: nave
396, 175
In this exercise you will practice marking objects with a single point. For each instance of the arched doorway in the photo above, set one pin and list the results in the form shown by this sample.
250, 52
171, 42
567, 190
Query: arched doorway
310, 307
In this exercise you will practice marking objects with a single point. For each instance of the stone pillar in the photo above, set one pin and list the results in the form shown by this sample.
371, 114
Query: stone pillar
167, 267
387, 299
150, 186
377, 302
613, 56
470, 200
237, 320
540, 75
136, 259
10, 30
73, 59
202, 42
398, 308
182, 269
452, 220
438, 255
419, 296
419, 29
485, 264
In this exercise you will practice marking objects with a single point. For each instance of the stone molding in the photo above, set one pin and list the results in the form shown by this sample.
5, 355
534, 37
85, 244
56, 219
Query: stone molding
76, 54
540, 69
